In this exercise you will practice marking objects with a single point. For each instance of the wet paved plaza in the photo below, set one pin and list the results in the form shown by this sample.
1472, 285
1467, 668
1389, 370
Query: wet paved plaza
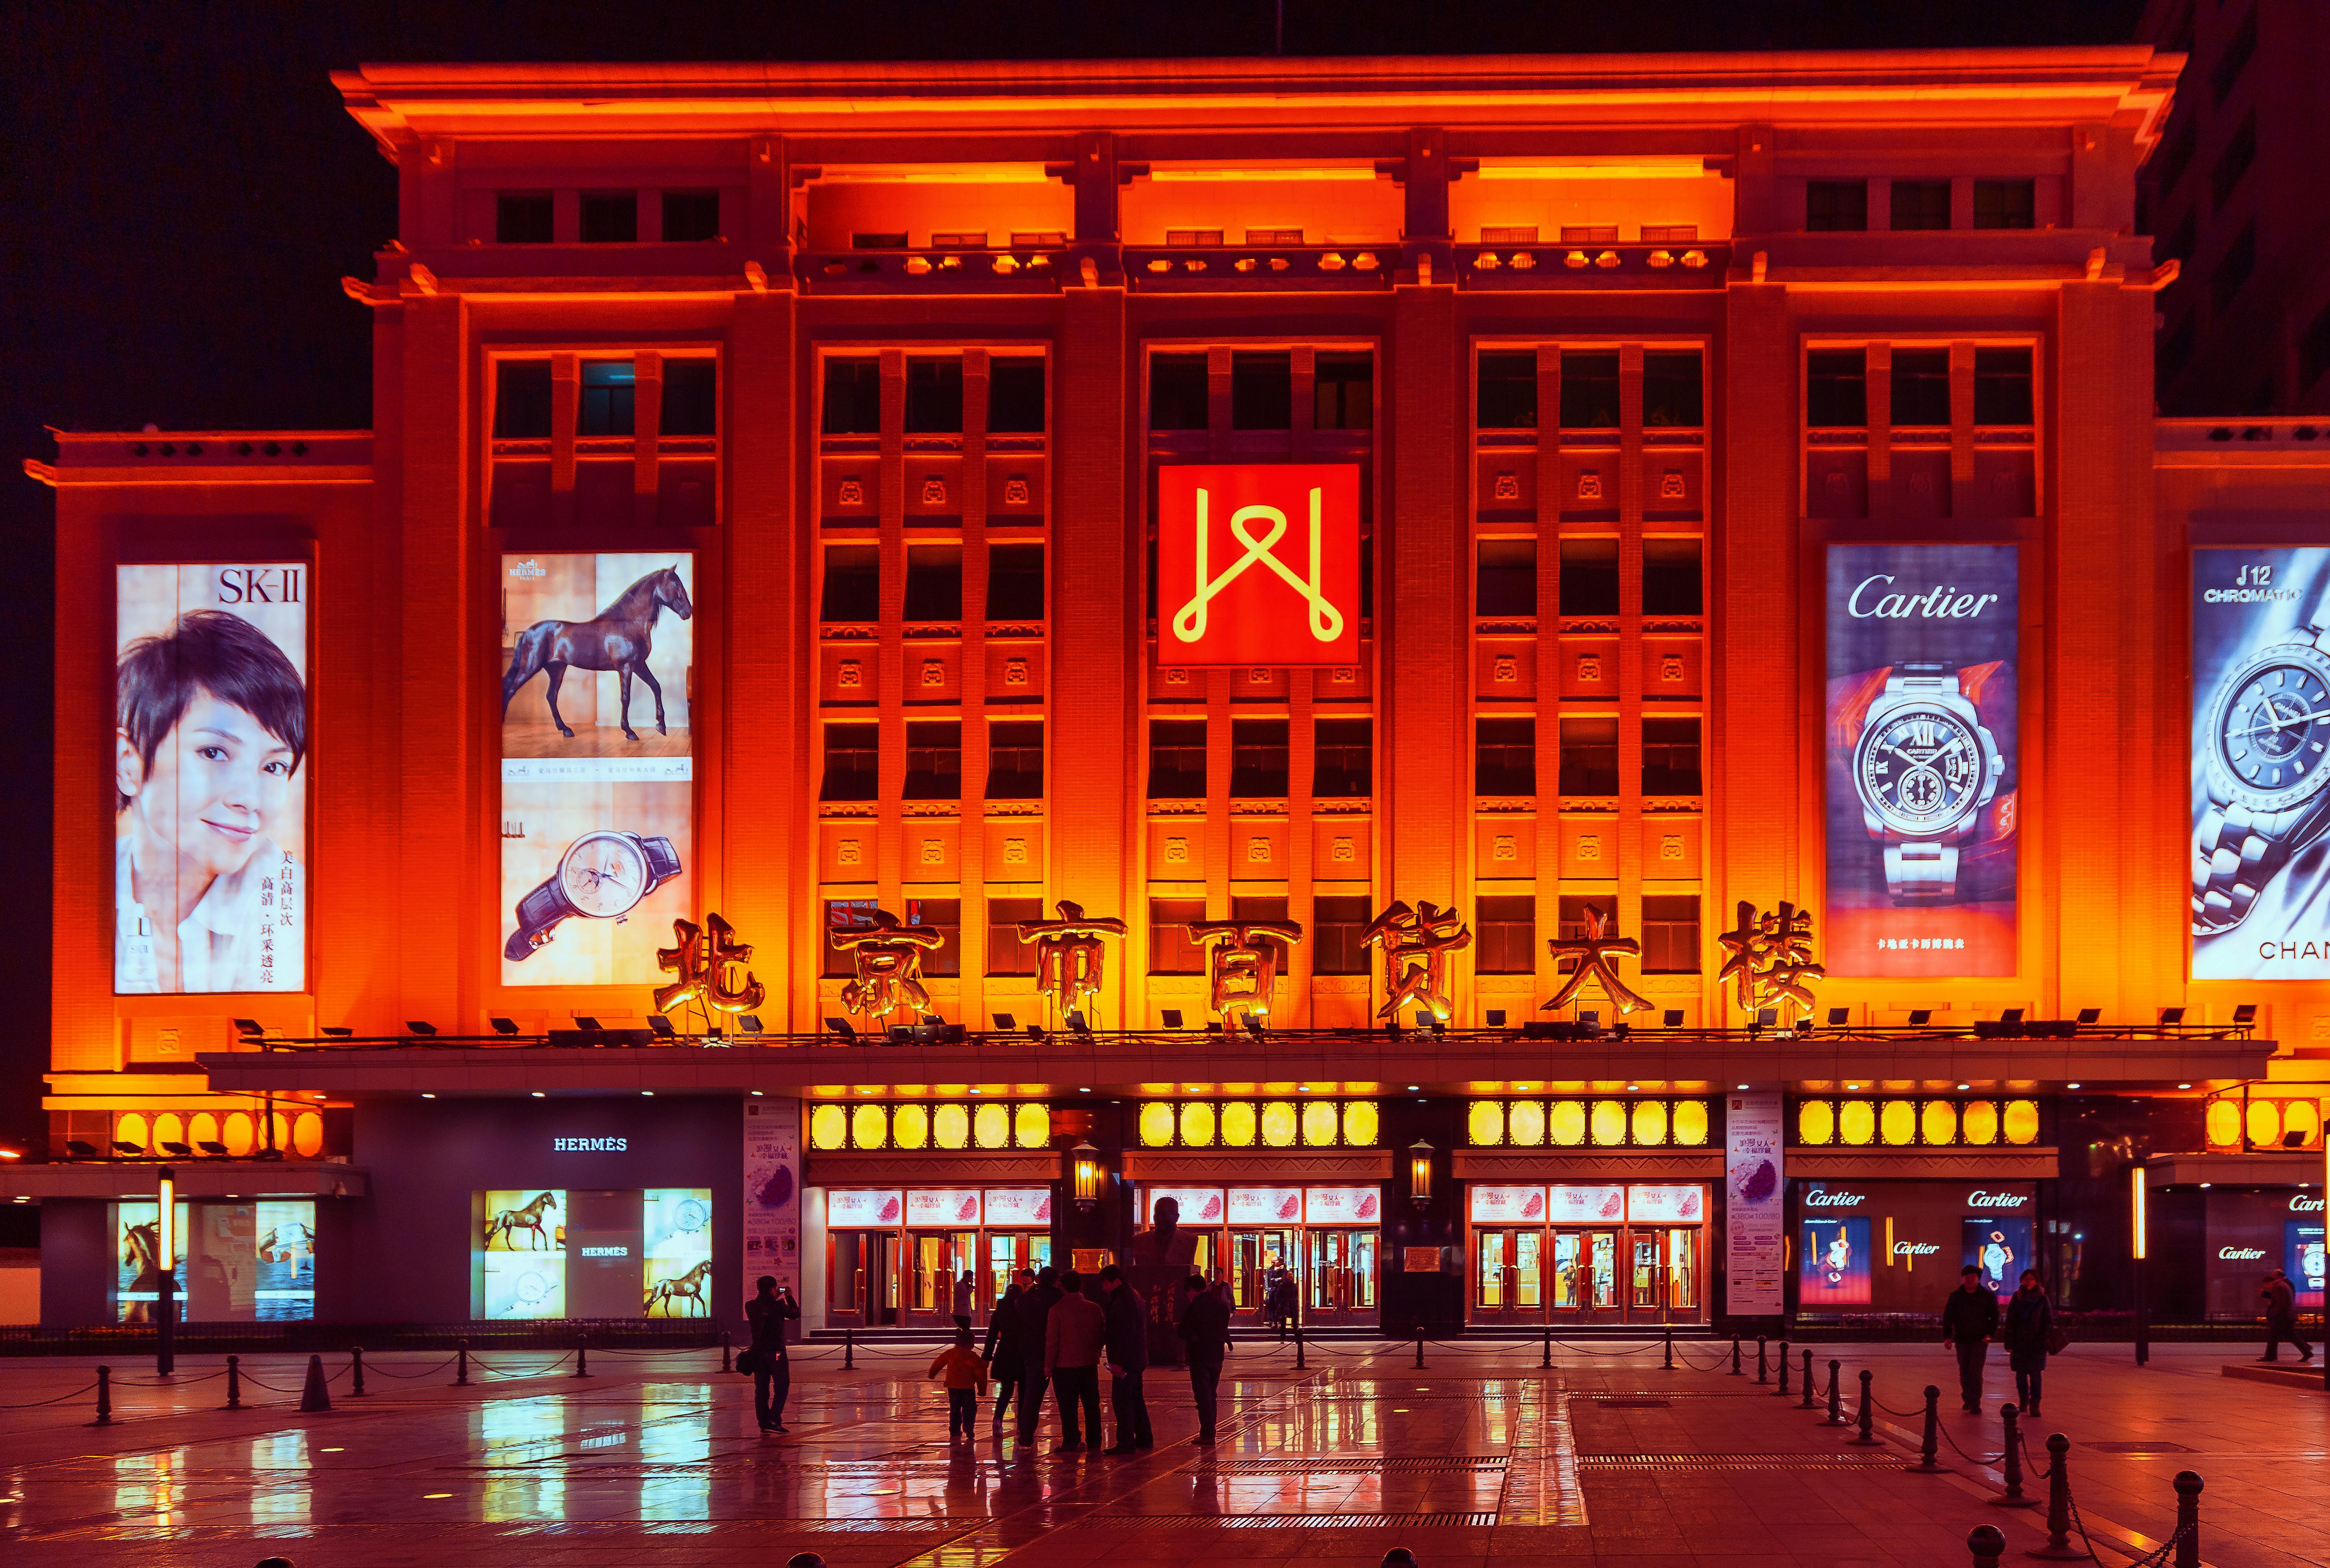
1483, 1455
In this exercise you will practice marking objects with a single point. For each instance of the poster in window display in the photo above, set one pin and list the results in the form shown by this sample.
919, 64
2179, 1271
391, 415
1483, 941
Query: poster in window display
522, 1253
1832, 1265
676, 1252
2303, 1261
2001, 1249
598, 764
210, 787
137, 1259
1923, 771
2260, 790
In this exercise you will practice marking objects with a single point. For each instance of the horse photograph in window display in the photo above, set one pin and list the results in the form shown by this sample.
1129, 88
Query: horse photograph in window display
506, 1224
620, 638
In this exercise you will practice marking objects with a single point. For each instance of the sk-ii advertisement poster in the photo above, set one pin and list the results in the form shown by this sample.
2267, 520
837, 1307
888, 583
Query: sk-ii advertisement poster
2260, 873
1923, 759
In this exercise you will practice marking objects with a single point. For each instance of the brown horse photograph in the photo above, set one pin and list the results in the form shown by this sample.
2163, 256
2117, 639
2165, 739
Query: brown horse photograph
688, 1287
508, 1222
620, 638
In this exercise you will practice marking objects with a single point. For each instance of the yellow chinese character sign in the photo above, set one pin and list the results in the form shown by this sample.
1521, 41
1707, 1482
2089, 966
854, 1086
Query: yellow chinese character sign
1242, 962
1070, 958
707, 961
1597, 953
1767, 959
887, 960
1414, 944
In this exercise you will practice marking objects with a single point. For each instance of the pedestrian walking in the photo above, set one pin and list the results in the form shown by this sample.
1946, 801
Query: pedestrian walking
964, 1370
1035, 1314
2028, 1336
1274, 1297
1003, 1347
2280, 1298
1968, 1320
771, 1369
962, 1289
1127, 1345
1205, 1328
1074, 1336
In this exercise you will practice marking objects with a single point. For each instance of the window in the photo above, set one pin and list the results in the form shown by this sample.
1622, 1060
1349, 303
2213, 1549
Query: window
1014, 396
691, 215
853, 754
1671, 395
608, 389
2002, 386
1258, 757
1505, 577
1589, 577
1258, 907
1836, 205
1836, 388
1274, 236
1921, 386
610, 217
1590, 756
1669, 933
1006, 953
1177, 392
2239, 260
1589, 392
691, 397
1589, 233
1170, 951
853, 397
1262, 391
1015, 759
933, 761
1179, 238
523, 218
1507, 396
2005, 204
2241, 151
934, 396
1510, 234
1921, 204
1343, 388
935, 583
844, 914
1671, 577
2177, 155
957, 240
1670, 756
2314, 350
2234, 58
881, 239
1336, 921
522, 399
1343, 758
1504, 756
853, 583
1669, 233
1176, 759
1507, 939
944, 916
1015, 583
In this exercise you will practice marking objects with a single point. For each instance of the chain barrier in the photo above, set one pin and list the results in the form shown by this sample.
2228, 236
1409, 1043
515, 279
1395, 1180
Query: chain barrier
377, 1369
37, 1403
169, 1382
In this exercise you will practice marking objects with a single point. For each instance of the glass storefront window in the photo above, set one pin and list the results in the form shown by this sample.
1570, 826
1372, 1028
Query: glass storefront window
1682, 1270
1605, 1264
1529, 1287
1488, 1266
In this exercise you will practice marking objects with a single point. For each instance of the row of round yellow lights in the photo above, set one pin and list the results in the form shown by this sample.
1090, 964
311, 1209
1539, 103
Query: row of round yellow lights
1901, 1123
238, 1132
1582, 1123
2267, 1122
1264, 1124
911, 1125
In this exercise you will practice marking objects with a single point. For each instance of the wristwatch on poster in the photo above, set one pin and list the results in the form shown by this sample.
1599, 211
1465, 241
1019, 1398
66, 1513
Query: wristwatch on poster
1925, 766
601, 875
2267, 725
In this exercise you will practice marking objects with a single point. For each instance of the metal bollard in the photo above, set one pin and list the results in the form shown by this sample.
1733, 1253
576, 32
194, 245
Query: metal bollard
1866, 1438
2059, 1504
1927, 1463
1812, 1392
1734, 1355
728, 1352
2188, 1519
1670, 1360
1760, 1378
1988, 1545
1300, 1363
581, 1355
355, 1371
1782, 1392
2014, 1461
233, 1384
1836, 1395
462, 1363
1545, 1357
849, 1351
104, 1397
1419, 1347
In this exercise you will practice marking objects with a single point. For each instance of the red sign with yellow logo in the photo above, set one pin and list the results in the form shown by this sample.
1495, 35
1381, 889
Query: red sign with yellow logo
1258, 565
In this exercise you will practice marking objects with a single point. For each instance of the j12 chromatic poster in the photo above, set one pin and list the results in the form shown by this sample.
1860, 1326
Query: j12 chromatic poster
2261, 868
1923, 759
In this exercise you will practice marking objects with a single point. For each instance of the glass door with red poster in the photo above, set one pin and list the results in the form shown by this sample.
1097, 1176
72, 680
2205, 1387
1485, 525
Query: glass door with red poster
942, 1245
1507, 1261
1586, 1275
1341, 1230
1265, 1227
1663, 1266
864, 1252
1018, 1236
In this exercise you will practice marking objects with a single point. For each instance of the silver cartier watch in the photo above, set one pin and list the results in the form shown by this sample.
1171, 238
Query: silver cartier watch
1925, 766
2269, 788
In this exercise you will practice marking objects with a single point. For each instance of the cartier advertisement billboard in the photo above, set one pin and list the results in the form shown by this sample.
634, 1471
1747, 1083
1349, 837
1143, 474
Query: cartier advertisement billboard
2260, 794
596, 763
210, 787
1258, 565
1923, 759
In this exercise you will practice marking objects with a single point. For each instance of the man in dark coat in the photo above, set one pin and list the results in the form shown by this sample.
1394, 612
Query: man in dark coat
772, 1371
2281, 1318
1205, 1328
1128, 1357
1968, 1321
1002, 1354
1035, 1316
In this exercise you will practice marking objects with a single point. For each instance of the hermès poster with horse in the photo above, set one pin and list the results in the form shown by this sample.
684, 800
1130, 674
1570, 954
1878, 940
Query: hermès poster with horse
597, 804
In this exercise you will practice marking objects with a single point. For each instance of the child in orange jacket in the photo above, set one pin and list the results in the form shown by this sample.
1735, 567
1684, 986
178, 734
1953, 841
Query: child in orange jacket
964, 1372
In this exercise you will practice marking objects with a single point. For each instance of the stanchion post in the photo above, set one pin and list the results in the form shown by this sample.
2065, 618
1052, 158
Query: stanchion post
849, 1349
1735, 1357
2188, 1519
728, 1352
2059, 1503
1929, 1448
1811, 1390
1669, 1366
233, 1384
104, 1397
355, 1371
1836, 1394
1761, 1379
1987, 1543
1782, 1392
2012, 1418
1866, 1437
1419, 1347
1545, 1357
461, 1363
1300, 1363
581, 1355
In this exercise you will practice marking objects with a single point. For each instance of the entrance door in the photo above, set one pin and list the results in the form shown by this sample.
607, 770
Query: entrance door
861, 1283
1586, 1275
1683, 1304
1646, 1276
1341, 1270
1007, 1252
1509, 1275
940, 1258
1253, 1255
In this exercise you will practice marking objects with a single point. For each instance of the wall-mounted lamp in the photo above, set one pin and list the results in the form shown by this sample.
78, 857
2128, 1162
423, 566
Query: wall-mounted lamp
1085, 1175
1420, 1174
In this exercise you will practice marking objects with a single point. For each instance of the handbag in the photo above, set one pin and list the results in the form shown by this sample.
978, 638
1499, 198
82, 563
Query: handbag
2057, 1340
748, 1361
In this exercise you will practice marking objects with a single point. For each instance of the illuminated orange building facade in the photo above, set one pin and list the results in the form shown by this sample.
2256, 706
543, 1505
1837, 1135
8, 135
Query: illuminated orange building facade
831, 402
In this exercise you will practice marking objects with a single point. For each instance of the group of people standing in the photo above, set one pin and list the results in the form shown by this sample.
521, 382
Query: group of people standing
1972, 1318
1047, 1333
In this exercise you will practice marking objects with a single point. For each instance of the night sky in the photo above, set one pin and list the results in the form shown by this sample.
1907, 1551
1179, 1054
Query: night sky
180, 193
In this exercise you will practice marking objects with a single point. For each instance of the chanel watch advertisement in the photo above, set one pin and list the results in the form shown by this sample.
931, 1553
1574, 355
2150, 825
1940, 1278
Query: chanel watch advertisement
2260, 792
1922, 750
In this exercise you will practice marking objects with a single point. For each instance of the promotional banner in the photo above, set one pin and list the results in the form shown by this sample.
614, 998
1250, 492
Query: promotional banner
597, 770
1506, 1205
1025, 1207
1666, 1206
1341, 1205
520, 1261
1923, 769
856, 1206
2002, 1249
210, 797
2302, 1261
943, 1207
1258, 565
1586, 1206
1832, 1265
1201, 1206
1753, 1212
772, 1216
1264, 1206
2261, 793
137, 1259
